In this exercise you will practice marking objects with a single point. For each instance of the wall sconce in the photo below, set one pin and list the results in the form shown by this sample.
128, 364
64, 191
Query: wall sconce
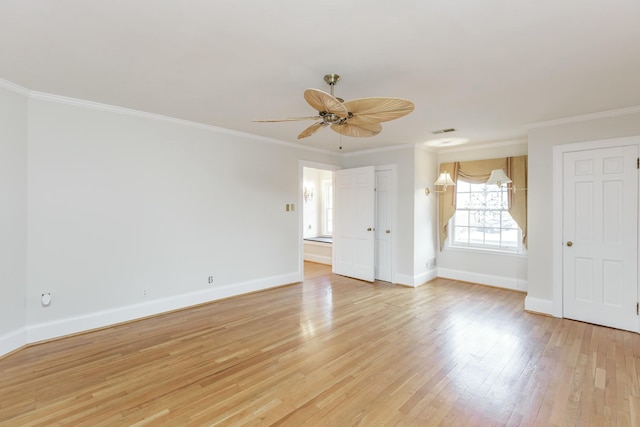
443, 180
499, 178
308, 194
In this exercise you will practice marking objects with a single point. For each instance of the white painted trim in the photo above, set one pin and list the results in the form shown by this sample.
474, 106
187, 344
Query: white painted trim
13, 341
585, 117
463, 148
558, 205
405, 280
378, 150
417, 280
6, 84
538, 305
484, 279
72, 325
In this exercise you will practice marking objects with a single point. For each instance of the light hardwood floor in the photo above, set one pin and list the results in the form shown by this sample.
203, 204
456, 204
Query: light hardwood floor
333, 351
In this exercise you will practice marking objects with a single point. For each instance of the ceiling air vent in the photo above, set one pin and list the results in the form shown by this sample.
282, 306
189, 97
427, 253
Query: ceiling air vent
438, 132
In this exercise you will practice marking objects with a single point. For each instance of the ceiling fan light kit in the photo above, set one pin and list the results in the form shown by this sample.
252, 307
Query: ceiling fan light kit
356, 118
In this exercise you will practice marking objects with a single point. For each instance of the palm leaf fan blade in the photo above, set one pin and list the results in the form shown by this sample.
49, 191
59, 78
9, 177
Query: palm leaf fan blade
323, 102
311, 130
359, 130
379, 109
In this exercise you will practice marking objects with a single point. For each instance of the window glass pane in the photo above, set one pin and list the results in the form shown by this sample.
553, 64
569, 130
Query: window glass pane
462, 201
482, 218
476, 187
476, 218
510, 238
507, 221
461, 218
461, 235
492, 237
494, 200
462, 186
478, 200
476, 236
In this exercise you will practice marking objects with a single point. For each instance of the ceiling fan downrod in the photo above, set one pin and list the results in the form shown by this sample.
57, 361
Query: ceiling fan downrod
332, 80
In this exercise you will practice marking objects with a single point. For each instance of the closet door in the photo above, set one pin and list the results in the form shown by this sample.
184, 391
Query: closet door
354, 237
600, 243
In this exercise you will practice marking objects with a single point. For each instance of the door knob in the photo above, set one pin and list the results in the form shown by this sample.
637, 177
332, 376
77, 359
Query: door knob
369, 229
388, 231
569, 243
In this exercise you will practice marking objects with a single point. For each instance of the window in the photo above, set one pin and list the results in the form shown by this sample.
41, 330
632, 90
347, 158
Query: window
327, 207
482, 218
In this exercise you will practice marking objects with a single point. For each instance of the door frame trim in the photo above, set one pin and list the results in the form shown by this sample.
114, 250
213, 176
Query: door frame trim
558, 206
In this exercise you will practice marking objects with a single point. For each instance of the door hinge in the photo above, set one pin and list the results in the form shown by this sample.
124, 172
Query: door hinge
638, 162
638, 308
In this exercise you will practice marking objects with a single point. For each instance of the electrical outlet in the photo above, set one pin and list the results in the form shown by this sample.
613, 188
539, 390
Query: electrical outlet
45, 299
145, 293
210, 280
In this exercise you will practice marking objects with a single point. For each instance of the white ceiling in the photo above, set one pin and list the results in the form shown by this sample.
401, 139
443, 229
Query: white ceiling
486, 68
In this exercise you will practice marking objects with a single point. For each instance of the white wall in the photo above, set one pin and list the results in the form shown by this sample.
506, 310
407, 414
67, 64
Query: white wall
425, 222
119, 204
496, 269
13, 218
542, 139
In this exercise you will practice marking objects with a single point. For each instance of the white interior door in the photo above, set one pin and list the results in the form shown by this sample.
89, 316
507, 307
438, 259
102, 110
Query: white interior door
600, 236
384, 217
353, 234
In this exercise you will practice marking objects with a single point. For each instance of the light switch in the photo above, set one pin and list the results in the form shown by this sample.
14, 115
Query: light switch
286, 207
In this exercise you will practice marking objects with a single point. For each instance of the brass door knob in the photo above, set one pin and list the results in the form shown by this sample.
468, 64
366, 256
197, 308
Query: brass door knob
569, 243
369, 229
388, 231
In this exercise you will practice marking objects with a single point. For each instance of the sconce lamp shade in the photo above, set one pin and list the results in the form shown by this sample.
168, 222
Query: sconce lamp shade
444, 180
498, 177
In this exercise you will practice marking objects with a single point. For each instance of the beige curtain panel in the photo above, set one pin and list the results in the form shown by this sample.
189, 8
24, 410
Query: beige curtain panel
477, 172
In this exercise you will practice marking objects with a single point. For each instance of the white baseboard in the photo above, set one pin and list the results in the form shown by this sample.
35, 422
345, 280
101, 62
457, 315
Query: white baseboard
484, 279
417, 280
76, 324
12, 341
538, 305
320, 259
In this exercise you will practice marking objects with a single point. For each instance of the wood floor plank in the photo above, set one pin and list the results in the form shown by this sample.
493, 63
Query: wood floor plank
333, 351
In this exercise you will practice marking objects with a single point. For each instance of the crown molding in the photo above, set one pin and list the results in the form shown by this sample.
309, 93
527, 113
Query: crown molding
483, 146
12, 87
377, 150
81, 103
585, 117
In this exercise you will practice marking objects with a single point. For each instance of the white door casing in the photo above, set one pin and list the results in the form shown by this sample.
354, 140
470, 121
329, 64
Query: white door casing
354, 210
600, 236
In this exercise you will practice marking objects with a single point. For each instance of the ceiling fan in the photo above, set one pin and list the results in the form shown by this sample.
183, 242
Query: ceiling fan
359, 117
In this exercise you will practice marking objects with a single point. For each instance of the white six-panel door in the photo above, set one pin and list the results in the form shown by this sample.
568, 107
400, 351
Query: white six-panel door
600, 232
353, 234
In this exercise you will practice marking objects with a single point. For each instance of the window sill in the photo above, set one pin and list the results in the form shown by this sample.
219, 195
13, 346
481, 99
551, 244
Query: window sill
520, 253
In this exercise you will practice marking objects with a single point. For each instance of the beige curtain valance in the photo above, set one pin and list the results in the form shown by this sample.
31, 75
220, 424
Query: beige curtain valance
477, 172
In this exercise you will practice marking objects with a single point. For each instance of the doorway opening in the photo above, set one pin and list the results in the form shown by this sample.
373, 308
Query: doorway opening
317, 215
